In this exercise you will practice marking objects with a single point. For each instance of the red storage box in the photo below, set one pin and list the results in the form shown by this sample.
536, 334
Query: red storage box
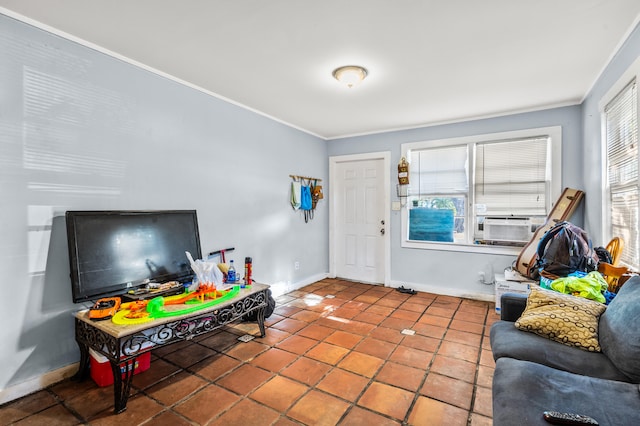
101, 368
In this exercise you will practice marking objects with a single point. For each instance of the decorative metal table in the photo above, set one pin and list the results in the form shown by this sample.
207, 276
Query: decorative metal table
122, 344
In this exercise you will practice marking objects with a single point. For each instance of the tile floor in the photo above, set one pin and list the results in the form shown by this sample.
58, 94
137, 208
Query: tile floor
334, 353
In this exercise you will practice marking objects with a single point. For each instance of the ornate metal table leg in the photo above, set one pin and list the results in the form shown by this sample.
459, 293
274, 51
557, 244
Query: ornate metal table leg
83, 368
122, 383
261, 321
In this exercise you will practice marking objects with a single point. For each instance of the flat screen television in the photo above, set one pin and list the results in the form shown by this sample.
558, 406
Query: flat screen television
112, 252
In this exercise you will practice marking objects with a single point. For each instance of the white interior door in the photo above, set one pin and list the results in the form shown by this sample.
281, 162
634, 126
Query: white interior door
360, 219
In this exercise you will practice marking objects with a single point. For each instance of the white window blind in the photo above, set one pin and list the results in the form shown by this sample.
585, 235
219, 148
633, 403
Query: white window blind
621, 130
439, 171
512, 177
513, 173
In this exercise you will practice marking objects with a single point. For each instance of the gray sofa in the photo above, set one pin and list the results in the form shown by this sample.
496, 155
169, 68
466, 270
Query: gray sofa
534, 374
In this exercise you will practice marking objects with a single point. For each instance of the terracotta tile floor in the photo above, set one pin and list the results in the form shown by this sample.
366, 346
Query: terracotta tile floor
334, 353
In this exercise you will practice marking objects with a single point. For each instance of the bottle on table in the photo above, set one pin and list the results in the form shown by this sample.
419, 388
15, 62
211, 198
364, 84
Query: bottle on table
247, 271
231, 273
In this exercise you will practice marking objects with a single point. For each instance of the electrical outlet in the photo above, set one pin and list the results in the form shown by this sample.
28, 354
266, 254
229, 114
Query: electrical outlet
296, 265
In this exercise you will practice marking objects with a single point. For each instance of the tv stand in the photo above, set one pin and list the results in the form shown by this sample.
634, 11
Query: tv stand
122, 344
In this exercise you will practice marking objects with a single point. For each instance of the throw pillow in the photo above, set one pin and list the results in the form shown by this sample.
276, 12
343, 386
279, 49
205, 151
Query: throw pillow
567, 319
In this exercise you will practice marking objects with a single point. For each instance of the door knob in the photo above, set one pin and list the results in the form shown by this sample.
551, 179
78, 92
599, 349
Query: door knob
382, 231
382, 222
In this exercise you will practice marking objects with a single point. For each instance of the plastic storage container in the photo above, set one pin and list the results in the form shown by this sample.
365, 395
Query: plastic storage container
101, 368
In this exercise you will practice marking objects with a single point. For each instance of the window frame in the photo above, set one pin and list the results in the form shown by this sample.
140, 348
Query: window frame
553, 132
632, 73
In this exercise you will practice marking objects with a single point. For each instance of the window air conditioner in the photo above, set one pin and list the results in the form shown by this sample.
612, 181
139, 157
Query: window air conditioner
507, 229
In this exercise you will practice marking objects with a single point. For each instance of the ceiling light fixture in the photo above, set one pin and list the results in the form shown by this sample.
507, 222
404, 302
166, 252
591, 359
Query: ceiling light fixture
350, 75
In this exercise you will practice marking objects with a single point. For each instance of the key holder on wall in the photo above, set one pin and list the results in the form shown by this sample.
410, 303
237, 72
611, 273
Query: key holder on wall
305, 194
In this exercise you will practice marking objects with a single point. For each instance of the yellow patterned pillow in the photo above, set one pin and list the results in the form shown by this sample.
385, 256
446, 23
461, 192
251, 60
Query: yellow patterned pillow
561, 317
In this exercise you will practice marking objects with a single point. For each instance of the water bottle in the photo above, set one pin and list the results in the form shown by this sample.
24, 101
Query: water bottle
231, 273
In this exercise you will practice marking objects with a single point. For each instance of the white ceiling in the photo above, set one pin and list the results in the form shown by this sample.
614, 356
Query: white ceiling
429, 61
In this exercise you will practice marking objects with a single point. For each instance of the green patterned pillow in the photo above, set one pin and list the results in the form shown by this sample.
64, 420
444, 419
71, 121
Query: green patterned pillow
561, 317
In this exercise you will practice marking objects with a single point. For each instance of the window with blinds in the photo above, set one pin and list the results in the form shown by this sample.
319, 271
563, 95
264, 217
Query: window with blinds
439, 188
439, 171
511, 177
621, 133
457, 186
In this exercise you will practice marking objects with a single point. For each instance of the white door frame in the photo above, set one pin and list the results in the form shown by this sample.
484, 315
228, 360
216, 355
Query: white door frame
386, 159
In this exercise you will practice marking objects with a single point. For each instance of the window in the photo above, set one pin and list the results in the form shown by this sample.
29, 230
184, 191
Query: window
622, 194
488, 191
439, 186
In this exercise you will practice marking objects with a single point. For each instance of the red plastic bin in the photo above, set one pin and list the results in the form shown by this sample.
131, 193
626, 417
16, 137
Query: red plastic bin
101, 368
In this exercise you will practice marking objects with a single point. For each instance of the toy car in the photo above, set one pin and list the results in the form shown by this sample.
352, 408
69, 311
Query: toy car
104, 308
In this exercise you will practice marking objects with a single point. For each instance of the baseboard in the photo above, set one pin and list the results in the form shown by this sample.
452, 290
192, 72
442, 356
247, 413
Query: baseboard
283, 288
445, 291
427, 288
37, 383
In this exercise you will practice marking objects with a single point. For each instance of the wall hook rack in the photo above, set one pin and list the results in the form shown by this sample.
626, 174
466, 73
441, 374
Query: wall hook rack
305, 178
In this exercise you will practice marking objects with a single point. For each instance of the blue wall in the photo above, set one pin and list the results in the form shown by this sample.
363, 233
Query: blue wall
82, 130
441, 271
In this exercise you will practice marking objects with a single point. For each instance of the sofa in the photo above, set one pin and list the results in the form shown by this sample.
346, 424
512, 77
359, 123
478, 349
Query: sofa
542, 367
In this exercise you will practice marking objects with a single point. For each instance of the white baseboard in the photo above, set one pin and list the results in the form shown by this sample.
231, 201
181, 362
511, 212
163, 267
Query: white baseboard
445, 291
37, 383
427, 288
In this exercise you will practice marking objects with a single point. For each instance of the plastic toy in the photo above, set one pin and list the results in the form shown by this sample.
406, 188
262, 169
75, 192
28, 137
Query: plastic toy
104, 308
139, 312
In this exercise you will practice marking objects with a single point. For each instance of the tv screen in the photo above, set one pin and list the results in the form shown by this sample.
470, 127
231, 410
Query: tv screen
111, 252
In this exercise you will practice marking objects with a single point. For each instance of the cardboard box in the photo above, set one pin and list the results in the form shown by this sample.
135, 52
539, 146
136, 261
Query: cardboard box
101, 368
503, 286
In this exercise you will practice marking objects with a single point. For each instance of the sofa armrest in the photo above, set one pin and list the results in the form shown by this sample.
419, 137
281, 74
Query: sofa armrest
512, 305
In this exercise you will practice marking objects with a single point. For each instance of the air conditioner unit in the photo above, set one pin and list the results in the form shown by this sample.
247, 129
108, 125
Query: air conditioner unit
507, 229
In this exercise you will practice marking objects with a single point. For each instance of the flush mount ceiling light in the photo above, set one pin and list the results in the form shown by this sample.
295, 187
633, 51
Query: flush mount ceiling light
350, 75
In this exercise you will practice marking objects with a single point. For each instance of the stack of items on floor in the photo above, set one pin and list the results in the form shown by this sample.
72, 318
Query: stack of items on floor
566, 262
